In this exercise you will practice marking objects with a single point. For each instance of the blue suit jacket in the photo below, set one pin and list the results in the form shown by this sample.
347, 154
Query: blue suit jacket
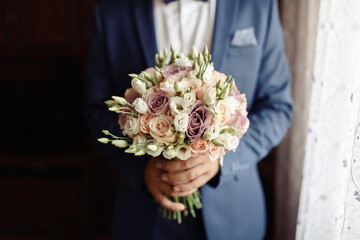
123, 41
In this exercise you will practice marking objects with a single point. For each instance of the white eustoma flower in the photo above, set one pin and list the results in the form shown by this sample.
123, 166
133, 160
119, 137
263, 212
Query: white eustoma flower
169, 153
233, 103
181, 122
189, 98
152, 144
210, 96
132, 126
230, 142
178, 106
119, 100
140, 106
212, 132
185, 62
119, 143
138, 85
208, 71
139, 139
183, 151
104, 140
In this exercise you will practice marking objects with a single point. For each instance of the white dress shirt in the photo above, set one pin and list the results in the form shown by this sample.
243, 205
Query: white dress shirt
184, 23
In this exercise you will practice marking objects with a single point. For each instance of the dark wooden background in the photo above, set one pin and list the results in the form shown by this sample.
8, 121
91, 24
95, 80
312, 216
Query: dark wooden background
53, 184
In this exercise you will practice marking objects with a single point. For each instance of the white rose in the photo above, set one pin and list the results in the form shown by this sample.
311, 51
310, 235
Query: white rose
181, 122
185, 62
132, 127
189, 98
169, 153
138, 85
233, 103
178, 106
183, 151
140, 106
212, 132
210, 96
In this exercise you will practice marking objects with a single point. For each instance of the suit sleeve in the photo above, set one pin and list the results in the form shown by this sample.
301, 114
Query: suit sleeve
271, 113
100, 89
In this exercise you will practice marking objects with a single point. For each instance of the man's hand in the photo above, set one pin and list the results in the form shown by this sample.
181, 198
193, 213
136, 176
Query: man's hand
157, 187
189, 175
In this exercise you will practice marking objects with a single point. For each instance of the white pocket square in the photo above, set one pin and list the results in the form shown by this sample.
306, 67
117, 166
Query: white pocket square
244, 37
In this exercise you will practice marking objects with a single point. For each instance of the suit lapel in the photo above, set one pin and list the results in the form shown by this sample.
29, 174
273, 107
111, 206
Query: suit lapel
222, 29
143, 14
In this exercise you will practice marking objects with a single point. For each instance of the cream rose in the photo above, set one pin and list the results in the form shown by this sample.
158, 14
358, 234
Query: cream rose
132, 127
168, 87
214, 78
187, 83
223, 112
160, 129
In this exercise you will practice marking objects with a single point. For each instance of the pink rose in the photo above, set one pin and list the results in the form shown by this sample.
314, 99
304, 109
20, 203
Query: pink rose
200, 93
187, 83
239, 120
167, 87
158, 103
199, 120
130, 95
173, 73
144, 121
199, 146
215, 77
123, 117
215, 152
160, 129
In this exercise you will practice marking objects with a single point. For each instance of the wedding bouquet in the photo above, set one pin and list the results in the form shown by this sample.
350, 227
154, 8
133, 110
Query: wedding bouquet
180, 108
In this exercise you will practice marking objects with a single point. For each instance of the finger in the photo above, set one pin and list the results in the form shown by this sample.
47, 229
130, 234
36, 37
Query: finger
164, 187
194, 184
177, 166
165, 202
184, 176
182, 194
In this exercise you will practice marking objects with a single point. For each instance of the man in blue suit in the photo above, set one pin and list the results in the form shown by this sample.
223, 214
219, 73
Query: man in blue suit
247, 44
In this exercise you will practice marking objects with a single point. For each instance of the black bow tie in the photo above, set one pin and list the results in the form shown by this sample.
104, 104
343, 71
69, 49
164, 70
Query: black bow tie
169, 1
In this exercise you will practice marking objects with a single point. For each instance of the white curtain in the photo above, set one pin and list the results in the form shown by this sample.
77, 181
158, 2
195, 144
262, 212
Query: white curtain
330, 193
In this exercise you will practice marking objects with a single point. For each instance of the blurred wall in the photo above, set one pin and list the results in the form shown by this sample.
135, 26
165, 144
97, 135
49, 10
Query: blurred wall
52, 184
